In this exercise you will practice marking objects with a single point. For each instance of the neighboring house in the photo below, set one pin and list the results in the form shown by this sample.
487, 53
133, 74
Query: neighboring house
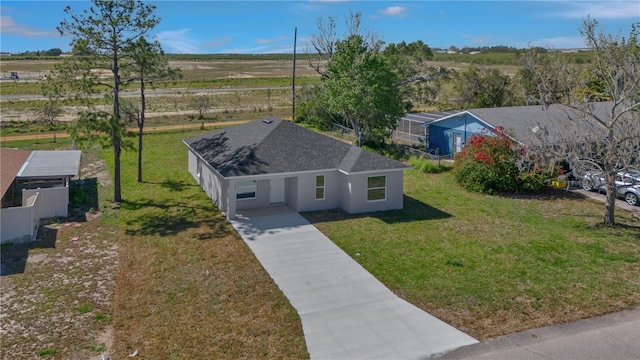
274, 162
34, 186
447, 132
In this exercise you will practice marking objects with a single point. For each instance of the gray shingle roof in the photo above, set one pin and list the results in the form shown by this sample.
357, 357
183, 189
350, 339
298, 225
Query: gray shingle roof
520, 121
272, 146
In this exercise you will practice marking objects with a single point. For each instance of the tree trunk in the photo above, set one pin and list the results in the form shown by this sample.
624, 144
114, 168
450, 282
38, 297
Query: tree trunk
117, 197
141, 125
115, 130
610, 203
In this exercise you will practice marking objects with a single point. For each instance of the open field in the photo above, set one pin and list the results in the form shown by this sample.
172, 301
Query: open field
249, 86
202, 74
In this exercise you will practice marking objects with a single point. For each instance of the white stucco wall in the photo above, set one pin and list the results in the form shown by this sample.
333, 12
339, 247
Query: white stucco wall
348, 192
307, 191
212, 184
261, 200
355, 199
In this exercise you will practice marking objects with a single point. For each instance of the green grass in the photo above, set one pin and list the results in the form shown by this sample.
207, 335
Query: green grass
83, 309
187, 284
488, 265
47, 352
493, 265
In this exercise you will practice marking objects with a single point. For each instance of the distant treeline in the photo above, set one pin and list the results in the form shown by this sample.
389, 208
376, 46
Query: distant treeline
511, 58
38, 53
508, 56
209, 57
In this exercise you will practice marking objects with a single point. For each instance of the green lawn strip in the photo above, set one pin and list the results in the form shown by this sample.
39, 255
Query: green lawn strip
494, 265
187, 285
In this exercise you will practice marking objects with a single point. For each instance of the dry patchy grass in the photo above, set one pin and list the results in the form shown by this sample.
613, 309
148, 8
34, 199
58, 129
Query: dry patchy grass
187, 286
57, 293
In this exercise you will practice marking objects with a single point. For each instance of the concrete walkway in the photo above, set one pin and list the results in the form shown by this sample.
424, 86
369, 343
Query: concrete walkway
346, 313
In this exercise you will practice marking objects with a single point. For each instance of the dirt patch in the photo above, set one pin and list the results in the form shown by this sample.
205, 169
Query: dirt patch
57, 292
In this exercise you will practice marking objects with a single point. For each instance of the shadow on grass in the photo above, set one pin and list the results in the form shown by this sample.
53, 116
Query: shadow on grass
633, 227
83, 197
14, 256
167, 219
171, 185
414, 210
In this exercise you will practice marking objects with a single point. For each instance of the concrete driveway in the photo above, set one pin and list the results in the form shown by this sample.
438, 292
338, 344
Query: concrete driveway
601, 197
346, 313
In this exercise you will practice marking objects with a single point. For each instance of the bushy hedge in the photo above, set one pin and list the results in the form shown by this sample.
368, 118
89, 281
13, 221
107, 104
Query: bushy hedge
487, 164
427, 166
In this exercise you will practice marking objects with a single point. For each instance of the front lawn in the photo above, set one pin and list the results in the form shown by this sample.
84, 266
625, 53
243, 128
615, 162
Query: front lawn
187, 286
492, 265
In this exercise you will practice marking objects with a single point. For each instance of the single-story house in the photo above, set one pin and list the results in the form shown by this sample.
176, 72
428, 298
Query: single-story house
446, 132
34, 186
275, 162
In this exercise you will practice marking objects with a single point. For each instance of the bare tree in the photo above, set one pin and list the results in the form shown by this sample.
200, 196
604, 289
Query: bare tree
546, 78
325, 40
202, 103
605, 133
53, 108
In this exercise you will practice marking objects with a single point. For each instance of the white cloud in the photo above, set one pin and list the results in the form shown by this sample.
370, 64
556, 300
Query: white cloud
10, 26
602, 10
561, 42
177, 41
393, 11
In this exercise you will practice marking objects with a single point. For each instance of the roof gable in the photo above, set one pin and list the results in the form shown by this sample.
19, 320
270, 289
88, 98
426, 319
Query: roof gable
272, 145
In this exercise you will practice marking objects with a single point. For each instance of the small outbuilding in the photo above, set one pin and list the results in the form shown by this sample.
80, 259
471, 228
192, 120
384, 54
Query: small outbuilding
34, 186
272, 162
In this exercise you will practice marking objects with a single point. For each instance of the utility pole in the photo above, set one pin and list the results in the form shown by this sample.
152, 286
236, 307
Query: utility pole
293, 83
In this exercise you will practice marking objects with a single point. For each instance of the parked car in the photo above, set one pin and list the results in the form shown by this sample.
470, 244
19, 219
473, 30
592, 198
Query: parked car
627, 185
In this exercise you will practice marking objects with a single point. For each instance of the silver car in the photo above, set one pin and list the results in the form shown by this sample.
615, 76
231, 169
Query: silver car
627, 185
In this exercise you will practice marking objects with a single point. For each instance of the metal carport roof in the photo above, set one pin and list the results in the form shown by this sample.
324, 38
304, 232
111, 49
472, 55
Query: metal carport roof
49, 164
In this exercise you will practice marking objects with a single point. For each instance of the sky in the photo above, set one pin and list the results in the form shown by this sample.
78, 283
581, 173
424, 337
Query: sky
263, 27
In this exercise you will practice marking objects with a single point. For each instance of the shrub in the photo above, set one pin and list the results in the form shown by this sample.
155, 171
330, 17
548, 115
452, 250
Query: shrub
427, 166
487, 164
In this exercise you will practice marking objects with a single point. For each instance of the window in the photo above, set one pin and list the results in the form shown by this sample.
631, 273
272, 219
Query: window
246, 190
320, 187
376, 188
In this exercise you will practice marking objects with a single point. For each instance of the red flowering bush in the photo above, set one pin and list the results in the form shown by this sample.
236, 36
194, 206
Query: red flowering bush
487, 164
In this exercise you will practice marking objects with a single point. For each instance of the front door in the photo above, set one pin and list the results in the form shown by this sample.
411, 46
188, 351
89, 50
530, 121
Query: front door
457, 143
276, 191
